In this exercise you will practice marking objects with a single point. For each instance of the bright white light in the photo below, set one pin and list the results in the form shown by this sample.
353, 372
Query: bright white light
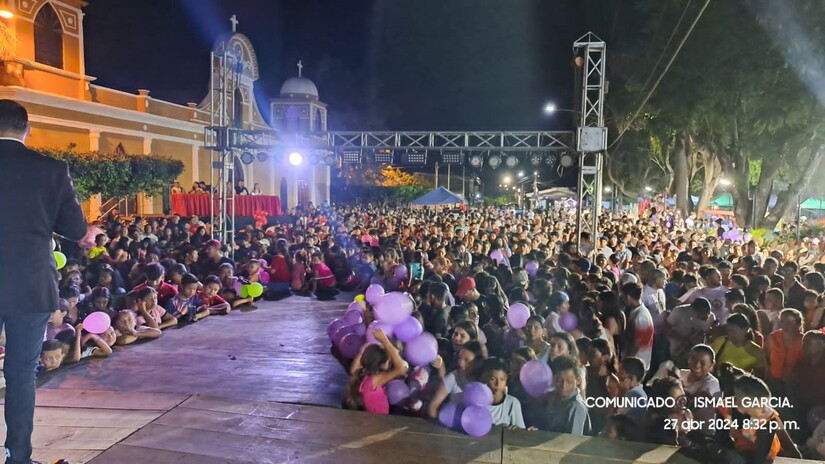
607, 190
725, 182
295, 158
506, 179
549, 108
521, 174
648, 189
6, 14
478, 195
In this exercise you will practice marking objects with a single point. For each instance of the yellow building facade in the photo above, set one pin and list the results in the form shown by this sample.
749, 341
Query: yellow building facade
46, 73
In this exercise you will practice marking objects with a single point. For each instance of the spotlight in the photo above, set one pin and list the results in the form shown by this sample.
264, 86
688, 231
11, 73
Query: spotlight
296, 158
476, 161
247, 158
6, 14
566, 160
551, 160
351, 157
512, 161
535, 159
384, 156
494, 161
263, 156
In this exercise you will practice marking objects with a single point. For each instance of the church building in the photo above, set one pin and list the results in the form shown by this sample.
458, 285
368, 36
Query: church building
47, 74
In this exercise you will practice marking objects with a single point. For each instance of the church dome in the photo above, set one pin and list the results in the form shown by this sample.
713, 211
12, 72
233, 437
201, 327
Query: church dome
299, 86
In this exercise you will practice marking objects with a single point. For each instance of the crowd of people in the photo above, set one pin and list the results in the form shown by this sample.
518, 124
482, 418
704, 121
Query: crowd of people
661, 311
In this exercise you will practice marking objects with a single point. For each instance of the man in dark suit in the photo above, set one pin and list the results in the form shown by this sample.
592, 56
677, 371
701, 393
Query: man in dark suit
37, 199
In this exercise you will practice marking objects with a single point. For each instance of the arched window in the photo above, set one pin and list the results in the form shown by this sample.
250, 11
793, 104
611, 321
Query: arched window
48, 37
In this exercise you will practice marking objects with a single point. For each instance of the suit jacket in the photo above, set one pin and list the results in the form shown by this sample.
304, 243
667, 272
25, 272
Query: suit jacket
37, 198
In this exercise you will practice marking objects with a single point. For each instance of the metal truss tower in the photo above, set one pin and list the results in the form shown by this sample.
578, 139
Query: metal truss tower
591, 140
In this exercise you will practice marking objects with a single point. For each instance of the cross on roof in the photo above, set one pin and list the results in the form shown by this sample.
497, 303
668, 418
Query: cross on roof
234, 20
300, 68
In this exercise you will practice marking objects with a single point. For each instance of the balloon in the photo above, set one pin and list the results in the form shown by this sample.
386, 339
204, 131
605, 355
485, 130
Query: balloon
256, 289
531, 297
359, 298
237, 286
517, 315
360, 329
815, 416
355, 306
244, 293
366, 238
393, 283
531, 267
353, 316
400, 272
408, 329
59, 259
54, 245
476, 421
387, 328
350, 345
498, 256
341, 333
450, 415
373, 293
263, 277
394, 307
536, 378
477, 394
422, 350
97, 322
568, 322
334, 326
397, 391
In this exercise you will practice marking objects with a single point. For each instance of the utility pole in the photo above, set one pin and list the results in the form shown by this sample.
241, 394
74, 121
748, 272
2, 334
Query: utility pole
436, 174
449, 174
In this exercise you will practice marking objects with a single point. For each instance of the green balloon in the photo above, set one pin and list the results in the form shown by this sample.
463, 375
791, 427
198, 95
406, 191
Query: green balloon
245, 291
256, 289
59, 259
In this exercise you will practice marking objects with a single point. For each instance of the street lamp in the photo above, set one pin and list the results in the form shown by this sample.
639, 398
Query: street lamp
549, 108
648, 188
607, 190
725, 182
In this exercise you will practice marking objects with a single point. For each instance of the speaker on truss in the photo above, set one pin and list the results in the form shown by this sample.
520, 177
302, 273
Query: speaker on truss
452, 157
414, 157
247, 158
384, 156
351, 157
476, 161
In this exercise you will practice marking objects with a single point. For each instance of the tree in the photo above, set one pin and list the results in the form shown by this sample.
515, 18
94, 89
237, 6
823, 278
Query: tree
395, 177
116, 175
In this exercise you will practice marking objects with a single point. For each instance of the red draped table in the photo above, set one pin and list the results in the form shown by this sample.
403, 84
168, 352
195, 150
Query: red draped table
189, 204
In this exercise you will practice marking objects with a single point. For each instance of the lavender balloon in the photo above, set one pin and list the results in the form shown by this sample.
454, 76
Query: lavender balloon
408, 329
353, 316
517, 315
400, 272
422, 350
355, 306
387, 328
536, 378
397, 391
531, 267
360, 329
568, 322
477, 394
394, 307
350, 345
373, 293
341, 333
476, 421
450, 415
334, 326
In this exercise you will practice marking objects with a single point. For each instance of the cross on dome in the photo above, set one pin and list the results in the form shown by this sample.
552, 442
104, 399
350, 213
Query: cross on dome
234, 20
300, 68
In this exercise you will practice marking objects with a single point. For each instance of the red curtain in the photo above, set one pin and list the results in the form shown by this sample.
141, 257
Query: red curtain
188, 204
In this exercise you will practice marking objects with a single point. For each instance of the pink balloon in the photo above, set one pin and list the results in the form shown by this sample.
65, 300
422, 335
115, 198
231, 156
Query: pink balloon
408, 329
387, 328
422, 350
353, 316
517, 315
568, 322
350, 345
97, 322
334, 326
263, 276
373, 293
237, 286
394, 307
366, 238
536, 378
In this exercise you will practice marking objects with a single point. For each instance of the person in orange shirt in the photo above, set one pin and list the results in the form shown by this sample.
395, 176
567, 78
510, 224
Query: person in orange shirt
784, 347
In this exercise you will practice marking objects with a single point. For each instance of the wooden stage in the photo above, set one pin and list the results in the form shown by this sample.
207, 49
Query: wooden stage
262, 387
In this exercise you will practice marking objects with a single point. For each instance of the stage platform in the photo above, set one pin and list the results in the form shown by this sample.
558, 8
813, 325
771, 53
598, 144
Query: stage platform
262, 387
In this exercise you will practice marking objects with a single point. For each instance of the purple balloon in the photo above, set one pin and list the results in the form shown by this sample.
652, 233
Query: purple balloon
531, 267
360, 329
531, 297
353, 316
536, 378
350, 345
517, 315
498, 256
356, 306
387, 328
477, 394
334, 326
400, 272
341, 333
422, 350
394, 307
450, 415
568, 322
393, 283
397, 391
408, 329
373, 293
476, 421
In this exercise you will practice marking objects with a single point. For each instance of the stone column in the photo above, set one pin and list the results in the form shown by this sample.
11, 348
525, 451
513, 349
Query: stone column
95, 201
195, 164
144, 202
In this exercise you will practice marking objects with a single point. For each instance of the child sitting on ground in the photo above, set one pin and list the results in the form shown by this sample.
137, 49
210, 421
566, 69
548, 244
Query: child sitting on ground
72, 346
506, 409
209, 296
128, 330
145, 305
323, 281
374, 368
186, 306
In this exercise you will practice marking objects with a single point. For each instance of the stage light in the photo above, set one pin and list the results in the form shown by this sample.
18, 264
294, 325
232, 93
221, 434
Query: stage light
6, 14
549, 108
263, 156
494, 161
296, 158
521, 173
247, 158
566, 160
551, 160
476, 161
512, 161
329, 159
414, 157
452, 157
384, 156
351, 157
535, 159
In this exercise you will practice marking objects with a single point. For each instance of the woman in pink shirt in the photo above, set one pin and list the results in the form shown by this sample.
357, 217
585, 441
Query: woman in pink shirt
323, 280
372, 369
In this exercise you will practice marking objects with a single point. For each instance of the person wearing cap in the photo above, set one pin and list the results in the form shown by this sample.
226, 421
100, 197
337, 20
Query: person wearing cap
467, 290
